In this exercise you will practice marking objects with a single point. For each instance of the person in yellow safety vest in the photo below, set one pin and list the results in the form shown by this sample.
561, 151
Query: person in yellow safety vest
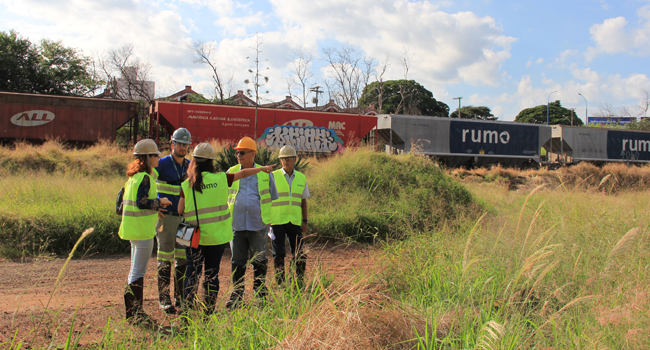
171, 171
140, 211
249, 201
211, 190
289, 215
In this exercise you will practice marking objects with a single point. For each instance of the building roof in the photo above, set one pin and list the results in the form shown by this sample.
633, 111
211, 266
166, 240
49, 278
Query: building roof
182, 95
287, 103
241, 100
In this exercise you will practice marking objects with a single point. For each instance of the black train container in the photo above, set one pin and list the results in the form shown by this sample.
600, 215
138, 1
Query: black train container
465, 142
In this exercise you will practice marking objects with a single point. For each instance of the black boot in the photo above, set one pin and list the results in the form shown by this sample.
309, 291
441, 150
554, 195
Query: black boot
279, 270
129, 303
259, 285
210, 302
133, 300
237, 295
164, 279
179, 285
301, 267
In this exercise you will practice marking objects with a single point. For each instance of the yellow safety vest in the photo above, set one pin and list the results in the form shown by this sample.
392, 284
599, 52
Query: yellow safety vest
287, 208
214, 216
138, 224
263, 185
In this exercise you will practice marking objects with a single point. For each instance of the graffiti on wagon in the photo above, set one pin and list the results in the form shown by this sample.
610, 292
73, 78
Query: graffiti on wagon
310, 139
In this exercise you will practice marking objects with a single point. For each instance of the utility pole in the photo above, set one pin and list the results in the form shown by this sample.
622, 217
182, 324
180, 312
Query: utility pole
317, 90
458, 98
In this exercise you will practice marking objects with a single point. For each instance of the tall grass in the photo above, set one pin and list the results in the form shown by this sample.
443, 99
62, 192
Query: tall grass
43, 213
556, 269
364, 195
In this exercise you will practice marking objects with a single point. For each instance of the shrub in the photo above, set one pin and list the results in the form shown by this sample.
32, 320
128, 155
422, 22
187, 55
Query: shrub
365, 195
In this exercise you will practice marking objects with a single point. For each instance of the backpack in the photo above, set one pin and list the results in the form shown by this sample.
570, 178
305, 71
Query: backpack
119, 204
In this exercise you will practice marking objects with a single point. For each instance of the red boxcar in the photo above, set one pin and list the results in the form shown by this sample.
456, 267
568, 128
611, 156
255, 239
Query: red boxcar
308, 131
73, 119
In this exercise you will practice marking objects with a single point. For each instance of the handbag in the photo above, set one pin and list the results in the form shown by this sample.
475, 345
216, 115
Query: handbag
188, 235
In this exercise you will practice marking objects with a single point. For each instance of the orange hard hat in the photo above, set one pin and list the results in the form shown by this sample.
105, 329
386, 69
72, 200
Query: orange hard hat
247, 143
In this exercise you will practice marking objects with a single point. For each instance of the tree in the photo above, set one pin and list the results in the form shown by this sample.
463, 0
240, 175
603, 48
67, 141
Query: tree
301, 74
48, 68
256, 79
419, 101
474, 112
557, 115
641, 125
204, 53
348, 74
127, 75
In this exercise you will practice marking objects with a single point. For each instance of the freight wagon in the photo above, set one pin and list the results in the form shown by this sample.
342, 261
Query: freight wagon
465, 142
77, 120
309, 131
599, 145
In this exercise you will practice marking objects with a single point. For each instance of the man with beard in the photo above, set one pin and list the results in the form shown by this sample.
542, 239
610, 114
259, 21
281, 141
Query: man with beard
171, 172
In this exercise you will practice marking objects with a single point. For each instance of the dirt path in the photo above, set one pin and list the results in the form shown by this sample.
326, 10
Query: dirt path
32, 313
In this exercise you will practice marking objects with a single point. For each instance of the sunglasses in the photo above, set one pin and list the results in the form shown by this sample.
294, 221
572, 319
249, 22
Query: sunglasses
242, 153
153, 155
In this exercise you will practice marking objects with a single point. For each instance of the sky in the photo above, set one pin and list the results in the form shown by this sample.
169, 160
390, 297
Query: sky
501, 54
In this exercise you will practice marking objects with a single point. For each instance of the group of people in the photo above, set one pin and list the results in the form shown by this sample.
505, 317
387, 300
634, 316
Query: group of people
241, 208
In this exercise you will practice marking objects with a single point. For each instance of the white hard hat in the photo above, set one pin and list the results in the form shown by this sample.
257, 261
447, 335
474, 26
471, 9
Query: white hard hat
204, 150
287, 152
144, 147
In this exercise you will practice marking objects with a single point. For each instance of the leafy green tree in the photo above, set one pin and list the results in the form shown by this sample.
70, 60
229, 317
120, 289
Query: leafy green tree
404, 97
474, 112
48, 68
557, 115
641, 125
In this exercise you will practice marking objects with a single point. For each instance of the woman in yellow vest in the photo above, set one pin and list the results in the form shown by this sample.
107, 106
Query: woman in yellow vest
210, 190
139, 216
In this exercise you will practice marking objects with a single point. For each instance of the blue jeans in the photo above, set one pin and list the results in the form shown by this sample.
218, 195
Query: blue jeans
249, 245
210, 257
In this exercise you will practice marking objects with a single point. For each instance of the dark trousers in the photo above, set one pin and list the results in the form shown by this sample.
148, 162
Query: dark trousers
294, 234
208, 256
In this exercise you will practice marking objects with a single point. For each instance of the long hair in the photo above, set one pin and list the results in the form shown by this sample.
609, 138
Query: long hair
139, 164
195, 169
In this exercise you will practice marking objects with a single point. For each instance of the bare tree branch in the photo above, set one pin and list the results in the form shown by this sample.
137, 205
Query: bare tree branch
349, 74
301, 73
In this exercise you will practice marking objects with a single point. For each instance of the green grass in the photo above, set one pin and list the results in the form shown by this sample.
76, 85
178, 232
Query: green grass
563, 266
365, 196
561, 269
46, 213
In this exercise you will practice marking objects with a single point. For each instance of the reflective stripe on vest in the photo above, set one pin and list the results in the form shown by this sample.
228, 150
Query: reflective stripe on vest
288, 207
138, 224
263, 186
214, 216
164, 187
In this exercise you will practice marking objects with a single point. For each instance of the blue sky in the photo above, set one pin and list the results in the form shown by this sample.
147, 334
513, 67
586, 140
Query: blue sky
500, 54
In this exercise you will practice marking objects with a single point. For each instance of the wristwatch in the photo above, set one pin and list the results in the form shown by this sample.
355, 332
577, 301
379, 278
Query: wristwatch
305, 220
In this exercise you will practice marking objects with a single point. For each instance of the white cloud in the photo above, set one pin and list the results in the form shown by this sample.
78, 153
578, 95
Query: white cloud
614, 36
238, 26
445, 48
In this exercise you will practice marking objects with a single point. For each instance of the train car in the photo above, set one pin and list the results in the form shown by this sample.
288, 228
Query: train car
77, 120
599, 145
465, 142
309, 131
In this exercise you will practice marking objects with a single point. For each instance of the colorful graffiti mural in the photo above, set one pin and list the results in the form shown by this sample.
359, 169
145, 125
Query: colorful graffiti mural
309, 139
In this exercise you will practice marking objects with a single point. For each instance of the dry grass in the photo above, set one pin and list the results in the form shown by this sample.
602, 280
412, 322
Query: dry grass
358, 316
608, 179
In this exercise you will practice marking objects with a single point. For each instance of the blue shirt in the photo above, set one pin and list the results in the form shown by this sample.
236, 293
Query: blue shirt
174, 174
247, 211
